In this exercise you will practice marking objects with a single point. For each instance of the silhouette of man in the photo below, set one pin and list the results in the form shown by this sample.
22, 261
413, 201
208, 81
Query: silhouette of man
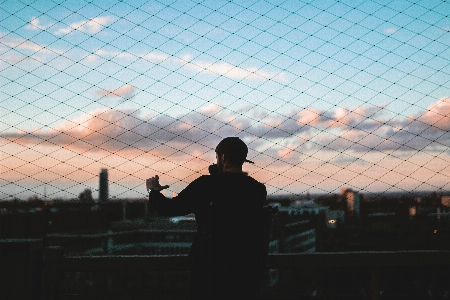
225, 254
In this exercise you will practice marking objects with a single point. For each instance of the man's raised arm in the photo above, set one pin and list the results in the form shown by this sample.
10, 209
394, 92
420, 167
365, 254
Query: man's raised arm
177, 206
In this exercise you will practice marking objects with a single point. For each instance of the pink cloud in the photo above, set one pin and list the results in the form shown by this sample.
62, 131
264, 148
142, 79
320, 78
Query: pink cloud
361, 130
438, 114
310, 150
126, 92
309, 117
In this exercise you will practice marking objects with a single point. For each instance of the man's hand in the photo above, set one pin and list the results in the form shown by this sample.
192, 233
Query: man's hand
153, 183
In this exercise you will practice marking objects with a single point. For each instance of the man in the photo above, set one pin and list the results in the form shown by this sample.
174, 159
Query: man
226, 251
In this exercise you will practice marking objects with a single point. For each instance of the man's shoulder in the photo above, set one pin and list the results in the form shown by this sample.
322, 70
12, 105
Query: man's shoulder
256, 182
210, 179
202, 180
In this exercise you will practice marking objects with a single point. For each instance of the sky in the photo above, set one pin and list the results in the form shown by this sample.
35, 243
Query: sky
326, 94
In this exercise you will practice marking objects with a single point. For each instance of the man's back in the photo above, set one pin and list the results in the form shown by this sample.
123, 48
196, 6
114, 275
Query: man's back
227, 208
226, 249
236, 235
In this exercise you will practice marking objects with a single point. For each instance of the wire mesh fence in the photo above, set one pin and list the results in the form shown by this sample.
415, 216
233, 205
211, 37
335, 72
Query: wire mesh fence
326, 94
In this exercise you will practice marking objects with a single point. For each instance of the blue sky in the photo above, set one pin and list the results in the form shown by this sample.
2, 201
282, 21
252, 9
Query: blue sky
316, 88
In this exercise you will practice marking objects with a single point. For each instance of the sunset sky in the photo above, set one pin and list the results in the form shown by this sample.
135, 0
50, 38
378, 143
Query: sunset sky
325, 93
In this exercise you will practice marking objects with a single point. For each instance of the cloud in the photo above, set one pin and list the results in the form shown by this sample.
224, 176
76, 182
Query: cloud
229, 70
310, 117
390, 30
438, 114
216, 68
17, 50
360, 130
31, 61
126, 92
119, 54
427, 130
17, 43
92, 26
35, 24
353, 118
154, 56
114, 130
304, 151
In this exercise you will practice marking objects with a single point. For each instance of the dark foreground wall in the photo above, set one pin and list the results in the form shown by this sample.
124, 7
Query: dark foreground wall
21, 269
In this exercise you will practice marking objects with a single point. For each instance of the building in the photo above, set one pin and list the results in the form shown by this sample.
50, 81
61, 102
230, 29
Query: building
353, 200
305, 207
103, 193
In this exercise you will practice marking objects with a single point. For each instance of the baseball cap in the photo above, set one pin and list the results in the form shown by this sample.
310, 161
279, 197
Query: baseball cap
235, 147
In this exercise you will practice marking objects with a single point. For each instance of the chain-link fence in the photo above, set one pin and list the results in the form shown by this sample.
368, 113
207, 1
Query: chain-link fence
327, 94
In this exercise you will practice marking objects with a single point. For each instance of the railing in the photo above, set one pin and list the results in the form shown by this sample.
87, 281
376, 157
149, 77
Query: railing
109, 242
375, 265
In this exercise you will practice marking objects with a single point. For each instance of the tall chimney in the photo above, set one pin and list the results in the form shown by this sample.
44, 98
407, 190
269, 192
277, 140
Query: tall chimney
103, 186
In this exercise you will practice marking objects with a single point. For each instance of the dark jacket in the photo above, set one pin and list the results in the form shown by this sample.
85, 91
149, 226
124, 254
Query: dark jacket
225, 250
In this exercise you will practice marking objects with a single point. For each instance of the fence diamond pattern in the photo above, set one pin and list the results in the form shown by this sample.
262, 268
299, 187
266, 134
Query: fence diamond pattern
325, 93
